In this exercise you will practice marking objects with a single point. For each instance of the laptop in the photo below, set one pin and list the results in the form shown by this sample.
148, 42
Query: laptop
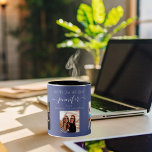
124, 83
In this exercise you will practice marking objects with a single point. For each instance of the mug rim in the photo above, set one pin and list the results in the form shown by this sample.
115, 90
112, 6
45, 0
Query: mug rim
68, 83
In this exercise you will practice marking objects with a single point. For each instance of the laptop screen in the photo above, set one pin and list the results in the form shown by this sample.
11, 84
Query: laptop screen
126, 73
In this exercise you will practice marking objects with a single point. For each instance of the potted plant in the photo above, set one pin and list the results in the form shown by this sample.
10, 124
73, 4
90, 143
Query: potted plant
96, 29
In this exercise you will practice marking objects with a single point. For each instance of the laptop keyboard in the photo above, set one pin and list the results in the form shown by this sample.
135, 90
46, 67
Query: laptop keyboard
105, 106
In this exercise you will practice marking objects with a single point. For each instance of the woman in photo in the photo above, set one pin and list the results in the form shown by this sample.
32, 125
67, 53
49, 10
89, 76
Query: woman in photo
72, 127
65, 124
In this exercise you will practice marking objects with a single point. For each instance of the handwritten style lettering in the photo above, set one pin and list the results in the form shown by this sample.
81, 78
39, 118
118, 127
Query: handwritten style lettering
70, 100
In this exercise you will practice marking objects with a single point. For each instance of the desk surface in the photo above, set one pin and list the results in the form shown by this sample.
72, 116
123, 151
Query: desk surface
23, 125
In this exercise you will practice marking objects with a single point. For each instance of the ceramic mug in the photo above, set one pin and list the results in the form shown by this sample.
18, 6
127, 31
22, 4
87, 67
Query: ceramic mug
69, 104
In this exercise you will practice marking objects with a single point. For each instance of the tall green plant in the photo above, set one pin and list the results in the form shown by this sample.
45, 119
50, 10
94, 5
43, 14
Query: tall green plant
96, 28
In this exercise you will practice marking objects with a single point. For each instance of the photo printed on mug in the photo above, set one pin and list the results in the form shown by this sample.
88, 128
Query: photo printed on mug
69, 121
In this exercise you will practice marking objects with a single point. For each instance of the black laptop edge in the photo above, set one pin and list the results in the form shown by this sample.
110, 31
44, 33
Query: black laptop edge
98, 77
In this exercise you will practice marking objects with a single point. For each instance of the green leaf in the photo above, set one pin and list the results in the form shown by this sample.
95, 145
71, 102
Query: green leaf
72, 43
83, 35
94, 44
98, 11
113, 16
68, 25
123, 24
71, 34
84, 15
94, 30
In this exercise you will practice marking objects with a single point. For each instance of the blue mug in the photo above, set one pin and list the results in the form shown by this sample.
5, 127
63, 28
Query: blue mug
69, 104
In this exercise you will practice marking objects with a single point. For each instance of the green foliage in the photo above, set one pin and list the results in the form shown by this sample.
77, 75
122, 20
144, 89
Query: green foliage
113, 16
71, 34
38, 35
96, 23
123, 25
68, 25
84, 15
74, 43
119, 27
97, 146
94, 44
98, 11
94, 30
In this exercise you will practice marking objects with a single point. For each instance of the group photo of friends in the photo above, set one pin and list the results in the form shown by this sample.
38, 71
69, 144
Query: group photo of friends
69, 121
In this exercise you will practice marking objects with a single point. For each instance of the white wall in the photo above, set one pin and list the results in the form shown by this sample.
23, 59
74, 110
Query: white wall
145, 14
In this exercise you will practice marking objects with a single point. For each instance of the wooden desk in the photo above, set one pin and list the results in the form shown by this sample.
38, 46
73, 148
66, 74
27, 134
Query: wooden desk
23, 125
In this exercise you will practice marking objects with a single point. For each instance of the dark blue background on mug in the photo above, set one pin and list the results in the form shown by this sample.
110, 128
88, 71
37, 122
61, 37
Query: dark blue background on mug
69, 98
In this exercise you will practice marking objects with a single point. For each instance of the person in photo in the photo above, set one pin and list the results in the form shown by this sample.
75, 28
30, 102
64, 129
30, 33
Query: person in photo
65, 124
72, 126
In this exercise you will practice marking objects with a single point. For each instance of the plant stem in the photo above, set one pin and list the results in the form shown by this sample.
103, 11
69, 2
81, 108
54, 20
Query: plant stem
97, 57
86, 36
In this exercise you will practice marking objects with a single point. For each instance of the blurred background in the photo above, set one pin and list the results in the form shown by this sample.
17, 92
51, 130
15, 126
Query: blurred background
29, 34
